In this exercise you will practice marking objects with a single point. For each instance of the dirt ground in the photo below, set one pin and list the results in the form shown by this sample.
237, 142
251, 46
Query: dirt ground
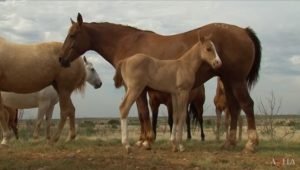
110, 154
103, 150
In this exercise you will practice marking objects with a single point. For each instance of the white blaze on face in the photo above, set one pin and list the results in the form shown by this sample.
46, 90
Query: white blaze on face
217, 62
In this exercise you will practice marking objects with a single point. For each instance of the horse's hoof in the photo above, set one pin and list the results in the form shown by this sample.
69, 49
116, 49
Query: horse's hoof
174, 149
146, 145
252, 142
228, 145
4, 146
139, 143
181, 148
128, 149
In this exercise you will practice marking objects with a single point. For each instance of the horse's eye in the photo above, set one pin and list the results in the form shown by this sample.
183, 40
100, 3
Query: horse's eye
93, 70
208, 49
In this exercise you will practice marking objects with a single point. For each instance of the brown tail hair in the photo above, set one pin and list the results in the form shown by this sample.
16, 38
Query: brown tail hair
254, 72
118, 76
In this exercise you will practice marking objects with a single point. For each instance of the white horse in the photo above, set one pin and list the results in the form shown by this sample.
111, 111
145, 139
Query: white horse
45, 99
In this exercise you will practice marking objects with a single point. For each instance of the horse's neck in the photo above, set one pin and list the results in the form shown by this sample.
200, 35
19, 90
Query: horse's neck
106, 37
192, 58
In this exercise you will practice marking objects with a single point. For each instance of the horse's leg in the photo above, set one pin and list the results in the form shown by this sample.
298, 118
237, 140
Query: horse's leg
174, 122
154, 105
146, 136
66, 109
170, 115
240, 123
199, 109
226, 122
218, 122
4, 124
188, 124
233, 108
43, 106
182, 102
130, 97
48, 121
241, 93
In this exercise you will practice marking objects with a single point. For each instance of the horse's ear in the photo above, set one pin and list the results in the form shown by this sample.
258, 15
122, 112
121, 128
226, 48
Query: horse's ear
84, 59
200, 38
79, 19
72, 22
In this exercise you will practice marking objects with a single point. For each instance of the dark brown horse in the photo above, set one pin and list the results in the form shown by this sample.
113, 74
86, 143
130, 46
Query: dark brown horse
196, 100
222, 106
239, 49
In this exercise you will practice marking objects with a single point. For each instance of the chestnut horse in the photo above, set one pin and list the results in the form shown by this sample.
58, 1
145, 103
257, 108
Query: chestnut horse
196, 99
45, 99
176, 77
239, 48
221, 105
27, 68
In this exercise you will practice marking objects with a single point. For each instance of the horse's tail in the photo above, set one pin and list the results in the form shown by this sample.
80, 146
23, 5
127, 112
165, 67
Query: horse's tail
254, 72
118, 76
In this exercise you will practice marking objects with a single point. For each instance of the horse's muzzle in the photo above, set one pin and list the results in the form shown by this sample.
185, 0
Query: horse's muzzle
63, 62
217, 64
97, 86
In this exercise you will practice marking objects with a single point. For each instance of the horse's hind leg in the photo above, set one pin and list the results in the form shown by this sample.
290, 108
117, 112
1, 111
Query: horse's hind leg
43, 106
218, 122
227, 121
4, 123
234, 109
147, 135
188, 124
199, 109
241, 93
66, 109
129, 99
48, 121
154, 105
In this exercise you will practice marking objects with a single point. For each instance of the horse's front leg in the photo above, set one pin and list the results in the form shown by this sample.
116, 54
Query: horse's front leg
182, 103
66, 109
146, 136
4, 124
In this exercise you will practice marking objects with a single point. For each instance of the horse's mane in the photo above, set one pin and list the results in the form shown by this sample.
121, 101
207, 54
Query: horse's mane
82, 82
119, 26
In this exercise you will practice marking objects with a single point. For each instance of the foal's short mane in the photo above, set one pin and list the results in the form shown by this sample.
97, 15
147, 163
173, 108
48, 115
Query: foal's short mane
119, 25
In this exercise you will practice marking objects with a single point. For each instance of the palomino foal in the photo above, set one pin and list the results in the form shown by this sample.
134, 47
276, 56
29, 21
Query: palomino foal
176, 77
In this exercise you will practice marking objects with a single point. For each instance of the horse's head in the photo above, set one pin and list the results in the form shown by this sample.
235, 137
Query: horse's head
76, 43
208, 52
91, 74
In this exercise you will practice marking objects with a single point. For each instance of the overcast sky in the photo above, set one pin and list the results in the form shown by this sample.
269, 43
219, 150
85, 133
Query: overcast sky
275, 22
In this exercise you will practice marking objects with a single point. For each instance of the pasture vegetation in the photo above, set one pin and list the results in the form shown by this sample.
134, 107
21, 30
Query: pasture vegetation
98, 146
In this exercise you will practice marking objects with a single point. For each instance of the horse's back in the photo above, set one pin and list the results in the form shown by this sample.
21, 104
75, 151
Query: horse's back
28, 68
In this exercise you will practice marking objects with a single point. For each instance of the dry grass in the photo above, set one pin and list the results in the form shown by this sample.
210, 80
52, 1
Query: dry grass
103, 150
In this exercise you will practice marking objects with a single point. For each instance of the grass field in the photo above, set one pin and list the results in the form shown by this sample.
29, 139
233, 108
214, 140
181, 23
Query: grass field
98, 146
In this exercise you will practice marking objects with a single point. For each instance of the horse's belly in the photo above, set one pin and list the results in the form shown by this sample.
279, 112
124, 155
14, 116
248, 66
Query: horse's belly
20, 101
25, 85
